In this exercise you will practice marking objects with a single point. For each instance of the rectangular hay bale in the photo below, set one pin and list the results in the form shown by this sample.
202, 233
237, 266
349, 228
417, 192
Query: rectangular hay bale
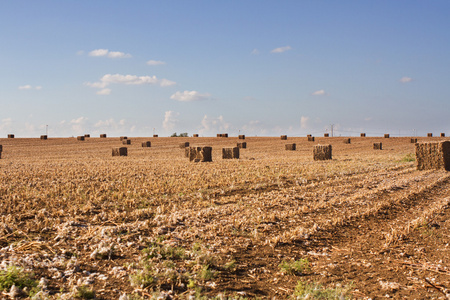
413, 140
43, 137
122, 151
200, 154
184, 145
87, 135
230, 153
123, 138
429, 134
322, 152
326, 135
126, 142
103, 135
386, 135
284, 137
146, 144
155, 135
80, 138
290, 147
10, 136
362, 134
442, 134
430, 156
195, 135
377, 146
242, 145
241, 137
347, 141
311, 138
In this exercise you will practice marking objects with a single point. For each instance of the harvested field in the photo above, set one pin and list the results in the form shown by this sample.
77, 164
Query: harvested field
366, 224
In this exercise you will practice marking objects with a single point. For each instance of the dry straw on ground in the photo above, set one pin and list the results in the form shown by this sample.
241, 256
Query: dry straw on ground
122, 151
377, 146
322, 152
230, 153
200, 154
242, 145
290, 147
433, 155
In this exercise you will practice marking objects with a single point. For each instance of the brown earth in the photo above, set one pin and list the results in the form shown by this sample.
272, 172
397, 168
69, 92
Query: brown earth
366, 220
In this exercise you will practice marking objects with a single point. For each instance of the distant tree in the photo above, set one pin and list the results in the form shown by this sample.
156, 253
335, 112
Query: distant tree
184, 134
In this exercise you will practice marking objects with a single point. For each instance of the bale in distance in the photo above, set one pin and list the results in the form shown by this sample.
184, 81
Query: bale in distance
126, 142
123, 138
326, 135
146, 144
311, 138
413, 140
195, 135
200, 154
322, 152
43, 137
241, 136
155, 135
377, 146
1, 148
430, 156
10, 136
242, 145
284, 137
103, 135
184, 145
87, 135
80, 138
386, 135
347, 141
442, 134
230, 153
429, 134
122, 151
362, 134
290, 147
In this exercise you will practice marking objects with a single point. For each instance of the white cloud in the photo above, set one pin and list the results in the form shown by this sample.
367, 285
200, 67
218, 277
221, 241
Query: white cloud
188, 96
155, 62
29, 87
108, 79
104, 92
304, 122
255, 51
405, 79
79, 125
170, 119
211, 126
107, 53
80, 52
249, 98
319, 93
281, 49
6, 124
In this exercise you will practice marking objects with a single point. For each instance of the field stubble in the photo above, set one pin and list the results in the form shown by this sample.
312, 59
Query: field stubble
152, 223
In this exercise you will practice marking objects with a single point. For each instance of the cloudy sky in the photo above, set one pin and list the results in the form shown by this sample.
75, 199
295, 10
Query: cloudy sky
254, 67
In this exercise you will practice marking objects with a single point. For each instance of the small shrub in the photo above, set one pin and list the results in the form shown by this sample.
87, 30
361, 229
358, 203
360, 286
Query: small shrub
17, 276
408, 158
205, 273
316, 291
83, 292
294, 267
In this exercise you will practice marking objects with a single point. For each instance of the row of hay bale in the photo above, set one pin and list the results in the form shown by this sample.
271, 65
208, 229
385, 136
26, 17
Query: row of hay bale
1, 150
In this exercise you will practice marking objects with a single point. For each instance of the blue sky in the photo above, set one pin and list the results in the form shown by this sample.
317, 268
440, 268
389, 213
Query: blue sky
252, 67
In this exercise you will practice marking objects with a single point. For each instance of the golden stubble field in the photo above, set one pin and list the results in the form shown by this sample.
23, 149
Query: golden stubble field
77, 223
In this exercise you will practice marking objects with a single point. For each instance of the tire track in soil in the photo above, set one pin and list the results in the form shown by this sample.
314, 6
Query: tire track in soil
353, 252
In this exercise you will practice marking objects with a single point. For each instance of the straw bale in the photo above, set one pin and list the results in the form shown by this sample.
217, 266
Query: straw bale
290, 147
10, 136
347, 141
242, 145
309, 135
362, 134
377, 146
126, 142
147, 144
413, 140
43, 137
322, 152
122, 151
429, 134
326, 135
284, 137
386, 135
242, 136
225, 135
155, 135
80, 138
1, 148
87, 135
123, 138
311, 138
431, 156
184, 145
219, 135
195, 135
200, 154
230, 153
103, 135
442, 134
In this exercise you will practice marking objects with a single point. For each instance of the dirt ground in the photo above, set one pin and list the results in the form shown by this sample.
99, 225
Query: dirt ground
366, 221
